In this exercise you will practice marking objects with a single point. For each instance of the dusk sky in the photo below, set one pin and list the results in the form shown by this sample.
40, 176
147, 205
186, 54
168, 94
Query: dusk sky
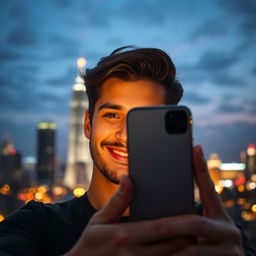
212, 43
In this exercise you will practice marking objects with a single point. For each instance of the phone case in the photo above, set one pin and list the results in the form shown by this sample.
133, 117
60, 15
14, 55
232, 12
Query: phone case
160, 164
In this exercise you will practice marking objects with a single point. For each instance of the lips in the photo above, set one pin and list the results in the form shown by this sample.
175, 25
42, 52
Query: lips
118, 153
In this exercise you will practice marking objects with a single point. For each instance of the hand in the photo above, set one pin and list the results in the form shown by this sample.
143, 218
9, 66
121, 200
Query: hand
103, 236
215, 232
211, 234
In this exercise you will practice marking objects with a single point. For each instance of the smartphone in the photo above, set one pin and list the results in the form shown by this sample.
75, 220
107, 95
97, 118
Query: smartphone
160, 161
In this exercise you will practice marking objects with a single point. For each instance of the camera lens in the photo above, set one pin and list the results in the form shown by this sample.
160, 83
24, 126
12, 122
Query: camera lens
176, 121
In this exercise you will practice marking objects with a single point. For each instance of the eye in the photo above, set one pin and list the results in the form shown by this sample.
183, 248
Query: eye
111, 115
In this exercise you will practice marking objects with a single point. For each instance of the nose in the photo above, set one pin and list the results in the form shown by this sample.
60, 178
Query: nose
121, 133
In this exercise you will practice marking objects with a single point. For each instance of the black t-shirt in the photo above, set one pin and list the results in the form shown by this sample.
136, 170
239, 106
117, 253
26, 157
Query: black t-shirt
51, 229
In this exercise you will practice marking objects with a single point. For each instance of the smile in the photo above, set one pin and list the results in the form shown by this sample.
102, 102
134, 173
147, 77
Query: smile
118, 154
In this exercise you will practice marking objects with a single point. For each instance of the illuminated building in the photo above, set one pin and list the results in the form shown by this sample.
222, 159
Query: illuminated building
46, 152
250, 161
10, 165
225, 174
214, 164
29, 168
79, 164
232, 171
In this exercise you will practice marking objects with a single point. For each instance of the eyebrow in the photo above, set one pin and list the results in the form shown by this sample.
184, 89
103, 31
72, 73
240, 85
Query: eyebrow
111, 106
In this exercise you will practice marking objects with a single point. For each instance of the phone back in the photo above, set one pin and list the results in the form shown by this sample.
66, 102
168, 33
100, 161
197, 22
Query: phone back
160, 161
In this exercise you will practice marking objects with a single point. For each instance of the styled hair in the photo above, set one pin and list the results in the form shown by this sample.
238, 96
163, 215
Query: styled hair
132, 65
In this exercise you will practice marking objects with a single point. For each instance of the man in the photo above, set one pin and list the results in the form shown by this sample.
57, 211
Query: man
97, 223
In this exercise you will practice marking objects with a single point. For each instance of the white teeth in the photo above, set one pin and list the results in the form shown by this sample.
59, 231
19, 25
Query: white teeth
120, 153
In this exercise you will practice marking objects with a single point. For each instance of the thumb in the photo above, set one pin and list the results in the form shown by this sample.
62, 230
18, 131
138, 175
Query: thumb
116, 205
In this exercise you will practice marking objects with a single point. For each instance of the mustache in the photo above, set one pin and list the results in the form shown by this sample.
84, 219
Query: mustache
114, 144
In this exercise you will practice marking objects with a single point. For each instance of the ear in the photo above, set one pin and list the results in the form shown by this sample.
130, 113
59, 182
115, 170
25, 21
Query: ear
87, 125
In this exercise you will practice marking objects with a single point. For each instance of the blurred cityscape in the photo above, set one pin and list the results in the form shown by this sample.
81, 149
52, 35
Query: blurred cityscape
43, 178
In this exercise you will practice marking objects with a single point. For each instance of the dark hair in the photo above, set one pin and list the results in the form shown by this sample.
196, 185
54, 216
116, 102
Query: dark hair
131, 65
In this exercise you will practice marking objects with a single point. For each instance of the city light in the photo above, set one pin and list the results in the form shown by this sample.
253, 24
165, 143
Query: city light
5, 189
240, 181
251, 150
232, 166
59, 191
254, 208
253, 178
251, 185
1, 217
247, 216
241, 201
46, 126
240, 188
218, 189
81, 63
38, 196
78, 192
226, 183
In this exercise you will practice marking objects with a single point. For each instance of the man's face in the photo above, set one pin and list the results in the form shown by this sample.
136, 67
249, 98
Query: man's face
107, 133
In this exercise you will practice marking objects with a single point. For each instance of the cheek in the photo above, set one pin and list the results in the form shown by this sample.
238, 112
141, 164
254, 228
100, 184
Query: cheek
101, 132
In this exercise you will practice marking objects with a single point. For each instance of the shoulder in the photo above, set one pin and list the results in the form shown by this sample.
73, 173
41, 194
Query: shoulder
36, 224
41, 214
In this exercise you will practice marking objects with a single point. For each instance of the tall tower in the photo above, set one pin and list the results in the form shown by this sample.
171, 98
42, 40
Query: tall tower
79, 163
46, 153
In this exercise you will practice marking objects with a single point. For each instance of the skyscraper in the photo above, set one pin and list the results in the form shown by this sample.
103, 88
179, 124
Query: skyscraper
10, 165
46, 153
79, 163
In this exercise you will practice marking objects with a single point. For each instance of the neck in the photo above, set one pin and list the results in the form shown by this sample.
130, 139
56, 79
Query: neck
100, 189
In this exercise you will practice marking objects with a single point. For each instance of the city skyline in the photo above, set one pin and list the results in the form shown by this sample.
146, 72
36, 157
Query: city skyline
211, 44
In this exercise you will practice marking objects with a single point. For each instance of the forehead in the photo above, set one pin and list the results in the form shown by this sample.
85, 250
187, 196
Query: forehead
131, 93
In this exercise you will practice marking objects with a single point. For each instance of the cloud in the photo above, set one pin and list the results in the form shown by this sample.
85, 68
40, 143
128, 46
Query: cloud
254, 71
213, 66
9, 55
22, 36
195, 98
227, 80
31, 68
242, 8
61, 50
146, 12
26, 100
68, 78
63, 3
161, 12
249, 27
89, 14
19, 12
250, 104
61, 41
211, 28
244, 13
216, 60
18, 97
226, 107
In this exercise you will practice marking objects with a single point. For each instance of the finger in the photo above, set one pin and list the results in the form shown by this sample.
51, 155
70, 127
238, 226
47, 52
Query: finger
184, 226
211, 202
117, 204
203, 250
167, 247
